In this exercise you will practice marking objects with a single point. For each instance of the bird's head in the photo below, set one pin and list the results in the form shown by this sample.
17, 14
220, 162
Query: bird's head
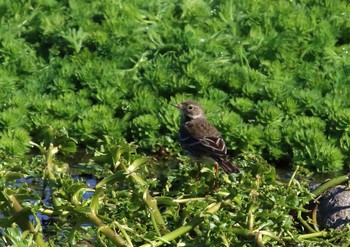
190, 110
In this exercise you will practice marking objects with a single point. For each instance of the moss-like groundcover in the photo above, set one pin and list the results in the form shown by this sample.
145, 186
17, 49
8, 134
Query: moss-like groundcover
98, 76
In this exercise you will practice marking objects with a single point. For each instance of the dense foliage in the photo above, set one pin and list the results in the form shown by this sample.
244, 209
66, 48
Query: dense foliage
273, 76
276, 74
140, 202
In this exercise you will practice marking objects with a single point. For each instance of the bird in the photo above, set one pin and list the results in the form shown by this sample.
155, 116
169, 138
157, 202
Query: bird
200, 138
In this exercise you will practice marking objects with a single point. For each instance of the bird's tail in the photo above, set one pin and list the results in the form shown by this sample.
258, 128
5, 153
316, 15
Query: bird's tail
227, 166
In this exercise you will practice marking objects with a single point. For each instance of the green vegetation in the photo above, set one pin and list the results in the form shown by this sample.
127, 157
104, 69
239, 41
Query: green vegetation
143, 203
98, 76
276, 74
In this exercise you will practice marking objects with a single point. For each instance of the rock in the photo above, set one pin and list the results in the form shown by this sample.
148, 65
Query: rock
334, 208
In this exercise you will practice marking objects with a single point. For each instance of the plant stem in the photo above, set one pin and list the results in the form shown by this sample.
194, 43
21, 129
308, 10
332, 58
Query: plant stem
336, 181
304, 223
21, 217
312, 235
49, 161
157, 218
175, 234
293, 176
211, 209
106, 230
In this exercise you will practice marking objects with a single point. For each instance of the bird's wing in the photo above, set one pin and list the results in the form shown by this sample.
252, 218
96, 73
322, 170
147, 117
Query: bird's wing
214, 144
210, 145
200, 136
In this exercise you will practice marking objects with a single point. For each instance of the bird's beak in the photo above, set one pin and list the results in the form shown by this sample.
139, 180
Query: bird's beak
177, 106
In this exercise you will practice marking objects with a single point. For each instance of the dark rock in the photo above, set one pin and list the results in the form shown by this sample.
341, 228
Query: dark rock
334, 208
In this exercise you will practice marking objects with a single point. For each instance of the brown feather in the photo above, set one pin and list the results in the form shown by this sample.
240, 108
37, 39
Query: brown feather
200, 138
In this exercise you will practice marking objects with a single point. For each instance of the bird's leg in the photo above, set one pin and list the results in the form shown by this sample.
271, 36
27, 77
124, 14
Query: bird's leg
216, 175
216, 169
199, 171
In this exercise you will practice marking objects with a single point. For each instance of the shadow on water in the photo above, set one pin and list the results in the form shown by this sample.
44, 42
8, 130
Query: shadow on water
40, 190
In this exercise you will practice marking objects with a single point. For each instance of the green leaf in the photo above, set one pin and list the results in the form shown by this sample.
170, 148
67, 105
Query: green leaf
95, 204
134, 166
78, 194
111, 179
69, 147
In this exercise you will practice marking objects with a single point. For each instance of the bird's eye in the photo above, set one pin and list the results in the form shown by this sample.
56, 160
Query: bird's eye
190, 107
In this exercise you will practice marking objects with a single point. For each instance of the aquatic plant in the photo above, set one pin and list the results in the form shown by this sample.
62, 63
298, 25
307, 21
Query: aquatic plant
85, 82
137, 201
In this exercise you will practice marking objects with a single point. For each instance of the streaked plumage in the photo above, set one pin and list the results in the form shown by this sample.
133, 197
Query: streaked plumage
200, 138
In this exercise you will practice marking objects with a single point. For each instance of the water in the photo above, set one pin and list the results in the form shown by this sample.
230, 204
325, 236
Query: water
38, 189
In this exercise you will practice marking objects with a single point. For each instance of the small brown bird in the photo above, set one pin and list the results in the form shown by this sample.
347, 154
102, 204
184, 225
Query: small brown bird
200, 138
